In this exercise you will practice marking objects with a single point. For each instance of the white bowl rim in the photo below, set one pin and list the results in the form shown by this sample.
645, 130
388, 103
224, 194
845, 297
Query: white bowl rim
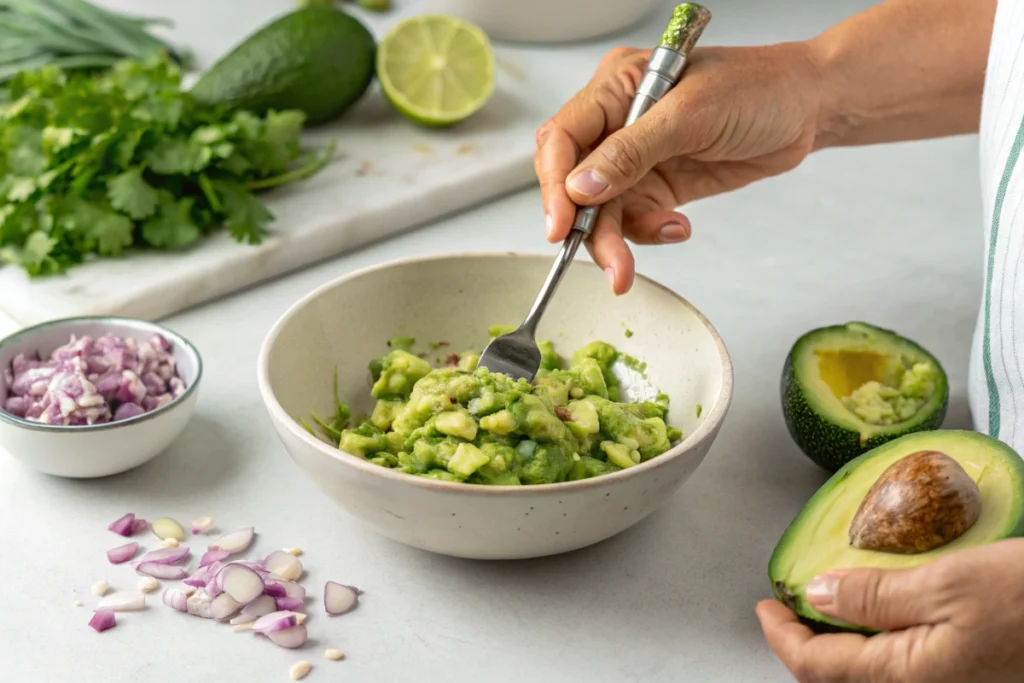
701, 434
133, 323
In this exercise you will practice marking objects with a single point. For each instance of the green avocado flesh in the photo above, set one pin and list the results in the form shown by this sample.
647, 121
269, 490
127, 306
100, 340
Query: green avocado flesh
849, 388
461, 423
317, 59
817, 540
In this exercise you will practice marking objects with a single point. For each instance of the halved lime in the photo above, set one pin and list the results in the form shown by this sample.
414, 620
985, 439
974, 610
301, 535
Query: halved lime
436, 69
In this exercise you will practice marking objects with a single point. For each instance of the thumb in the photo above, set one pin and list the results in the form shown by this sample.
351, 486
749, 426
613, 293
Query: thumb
623, 158
880, 599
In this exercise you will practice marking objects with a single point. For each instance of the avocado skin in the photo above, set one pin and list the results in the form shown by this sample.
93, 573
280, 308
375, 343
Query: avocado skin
318, 60
830, 445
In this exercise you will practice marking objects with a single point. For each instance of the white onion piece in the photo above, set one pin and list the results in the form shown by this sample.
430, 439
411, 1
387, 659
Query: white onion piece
223, 606
340, 599
199, 604
161, 571
242, 619
123, 602
260, 606
165, 555
175, 598
282, 564
290, 637
277, 621
241, 583
233, 541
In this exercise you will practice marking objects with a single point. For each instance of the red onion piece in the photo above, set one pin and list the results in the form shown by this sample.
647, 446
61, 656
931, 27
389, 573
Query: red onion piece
282, 564
287, 603
242, 619
165, 555
277, 621
123, 602
103, 619
241, 583
139, 525
274, 590
290, 588
259, 607
223, 606
122, 553
161, 571
256, 567
339, 598
233, 541
290, 637
123, 525
199, 604
176, 598
201, 525
200, 577
211, 556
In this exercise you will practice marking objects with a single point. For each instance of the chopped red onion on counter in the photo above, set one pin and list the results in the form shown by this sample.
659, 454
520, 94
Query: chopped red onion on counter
277, 621
290, 637
202, 524
233, 541
122, 553
211, 556
123, 525
224, 606
123, 602
175, 598
165, 555
93, 381
287, 603
282, 564
103, 619
339, 598
259, 607
139, 525
161, 571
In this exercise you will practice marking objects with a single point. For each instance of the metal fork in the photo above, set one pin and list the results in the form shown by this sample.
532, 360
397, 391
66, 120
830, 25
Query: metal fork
516, 354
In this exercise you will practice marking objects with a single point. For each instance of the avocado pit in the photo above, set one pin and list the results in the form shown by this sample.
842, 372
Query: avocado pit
921, 502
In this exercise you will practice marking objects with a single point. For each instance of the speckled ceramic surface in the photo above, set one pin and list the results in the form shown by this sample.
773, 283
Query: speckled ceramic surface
347, 322
104, 449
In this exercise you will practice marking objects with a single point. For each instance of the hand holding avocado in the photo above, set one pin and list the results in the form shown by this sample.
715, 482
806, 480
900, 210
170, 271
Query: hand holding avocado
956, 619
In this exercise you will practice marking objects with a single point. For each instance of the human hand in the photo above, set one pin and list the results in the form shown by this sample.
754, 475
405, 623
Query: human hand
955, 619
737, 115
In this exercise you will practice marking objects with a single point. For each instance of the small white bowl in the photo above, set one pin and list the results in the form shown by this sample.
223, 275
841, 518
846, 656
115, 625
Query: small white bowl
346, 323
103, 449
544, 21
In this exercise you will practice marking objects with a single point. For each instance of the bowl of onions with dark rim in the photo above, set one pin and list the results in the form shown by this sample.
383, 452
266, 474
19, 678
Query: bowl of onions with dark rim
331, 335
93, 396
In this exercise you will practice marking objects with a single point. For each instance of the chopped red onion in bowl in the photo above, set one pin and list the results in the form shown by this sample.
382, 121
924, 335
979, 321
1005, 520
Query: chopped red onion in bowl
93, 381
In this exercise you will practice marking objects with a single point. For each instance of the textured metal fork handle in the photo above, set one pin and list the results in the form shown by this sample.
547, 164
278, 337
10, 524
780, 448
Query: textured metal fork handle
664, 70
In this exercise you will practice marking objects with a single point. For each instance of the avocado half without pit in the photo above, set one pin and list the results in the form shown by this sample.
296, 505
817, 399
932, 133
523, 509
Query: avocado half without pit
909, 501
849, 388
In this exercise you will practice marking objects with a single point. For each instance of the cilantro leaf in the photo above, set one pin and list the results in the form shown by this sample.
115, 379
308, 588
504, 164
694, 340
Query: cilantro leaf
173, 226
108, 230
247, 217
131, 194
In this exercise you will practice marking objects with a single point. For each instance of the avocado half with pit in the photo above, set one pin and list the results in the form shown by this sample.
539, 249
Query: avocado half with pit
904, 503
849, 388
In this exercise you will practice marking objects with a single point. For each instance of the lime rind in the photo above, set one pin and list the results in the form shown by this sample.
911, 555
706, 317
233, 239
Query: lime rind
429, 97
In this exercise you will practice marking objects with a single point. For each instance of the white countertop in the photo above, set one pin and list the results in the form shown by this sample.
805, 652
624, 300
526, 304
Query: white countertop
891, 235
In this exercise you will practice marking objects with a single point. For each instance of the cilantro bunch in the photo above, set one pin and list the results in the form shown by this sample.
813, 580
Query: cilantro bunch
97, 164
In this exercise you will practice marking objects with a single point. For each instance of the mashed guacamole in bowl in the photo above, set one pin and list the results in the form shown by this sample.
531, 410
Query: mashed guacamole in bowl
455, 422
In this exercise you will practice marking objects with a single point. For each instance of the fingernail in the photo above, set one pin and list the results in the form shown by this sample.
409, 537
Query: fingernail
672, 232
588, 183
549, 225
821, 591
609, 273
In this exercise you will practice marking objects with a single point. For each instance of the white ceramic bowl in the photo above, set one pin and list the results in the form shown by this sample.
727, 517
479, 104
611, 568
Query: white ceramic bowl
103, 449
547, 21
346, 323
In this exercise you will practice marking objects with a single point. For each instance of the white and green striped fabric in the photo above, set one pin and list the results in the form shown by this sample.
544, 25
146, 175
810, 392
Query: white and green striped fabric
996, 373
